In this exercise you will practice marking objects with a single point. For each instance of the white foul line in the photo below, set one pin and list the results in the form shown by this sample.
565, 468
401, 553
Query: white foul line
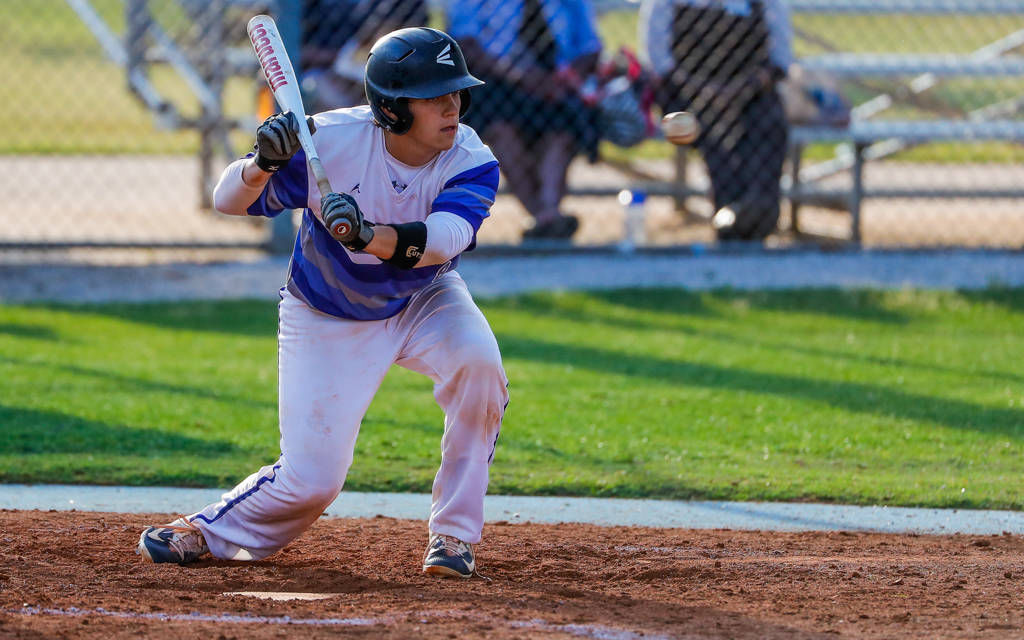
581, 630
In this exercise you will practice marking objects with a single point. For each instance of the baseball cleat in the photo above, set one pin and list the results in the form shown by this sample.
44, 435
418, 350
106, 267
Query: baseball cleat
180, 542
447, 556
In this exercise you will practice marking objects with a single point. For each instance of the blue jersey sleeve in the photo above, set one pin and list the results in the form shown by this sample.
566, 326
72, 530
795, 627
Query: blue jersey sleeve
287, 189
470, 194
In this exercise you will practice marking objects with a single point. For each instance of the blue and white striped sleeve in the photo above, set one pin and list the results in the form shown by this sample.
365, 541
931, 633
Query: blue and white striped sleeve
469, 194
287, 189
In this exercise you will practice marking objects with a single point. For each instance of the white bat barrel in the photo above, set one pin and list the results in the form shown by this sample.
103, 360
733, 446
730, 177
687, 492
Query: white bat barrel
277, 68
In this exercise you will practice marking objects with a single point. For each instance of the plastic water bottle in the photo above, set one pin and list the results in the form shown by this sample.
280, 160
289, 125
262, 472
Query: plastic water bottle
634, 233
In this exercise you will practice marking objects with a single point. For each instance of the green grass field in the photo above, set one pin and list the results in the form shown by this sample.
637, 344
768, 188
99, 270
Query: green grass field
74, 100
898, 398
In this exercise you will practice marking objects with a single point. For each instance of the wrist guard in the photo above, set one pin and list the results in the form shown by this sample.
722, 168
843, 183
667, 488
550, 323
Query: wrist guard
412, 242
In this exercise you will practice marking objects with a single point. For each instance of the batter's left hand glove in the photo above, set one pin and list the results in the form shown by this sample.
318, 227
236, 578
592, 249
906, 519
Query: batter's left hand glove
277, 140
345, 221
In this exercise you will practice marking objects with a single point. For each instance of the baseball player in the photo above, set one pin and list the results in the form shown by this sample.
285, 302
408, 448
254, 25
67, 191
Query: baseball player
417, 185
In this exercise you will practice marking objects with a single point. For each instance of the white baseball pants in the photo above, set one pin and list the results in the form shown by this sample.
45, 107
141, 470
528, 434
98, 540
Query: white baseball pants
329, 370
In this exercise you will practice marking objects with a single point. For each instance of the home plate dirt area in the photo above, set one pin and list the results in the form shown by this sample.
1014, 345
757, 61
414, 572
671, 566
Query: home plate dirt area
75, 574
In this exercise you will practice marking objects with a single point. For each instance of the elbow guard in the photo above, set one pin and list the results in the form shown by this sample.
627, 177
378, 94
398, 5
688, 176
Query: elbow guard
412, 242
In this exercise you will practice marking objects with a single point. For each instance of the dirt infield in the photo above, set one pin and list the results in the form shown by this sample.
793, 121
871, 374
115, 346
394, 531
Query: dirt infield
75, 574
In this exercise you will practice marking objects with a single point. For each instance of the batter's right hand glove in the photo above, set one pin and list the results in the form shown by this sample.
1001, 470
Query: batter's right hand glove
277, 140
345, 222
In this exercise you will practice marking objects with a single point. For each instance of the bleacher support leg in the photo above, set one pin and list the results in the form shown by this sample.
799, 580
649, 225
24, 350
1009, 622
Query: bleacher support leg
211, 24
137, 18
205, 163
797, 153
681, 185
858, 192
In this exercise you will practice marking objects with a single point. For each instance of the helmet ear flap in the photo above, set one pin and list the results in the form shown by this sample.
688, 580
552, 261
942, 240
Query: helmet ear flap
465, 102
401, 122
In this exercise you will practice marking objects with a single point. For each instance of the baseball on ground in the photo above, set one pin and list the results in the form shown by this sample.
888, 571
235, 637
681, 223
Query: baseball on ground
680, 127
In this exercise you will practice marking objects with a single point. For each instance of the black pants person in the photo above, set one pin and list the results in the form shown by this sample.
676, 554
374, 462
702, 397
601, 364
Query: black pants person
725, 77
744, 164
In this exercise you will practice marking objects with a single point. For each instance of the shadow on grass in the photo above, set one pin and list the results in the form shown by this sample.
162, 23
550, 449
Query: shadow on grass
857, 397
1011, 299
28, 331
678, 305
679, 302
256, 318
854, 304
33, 431
866, 305
383, 430
128, 383
834, 354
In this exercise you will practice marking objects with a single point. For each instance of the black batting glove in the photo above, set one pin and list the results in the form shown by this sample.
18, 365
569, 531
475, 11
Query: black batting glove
345, 222
277, 140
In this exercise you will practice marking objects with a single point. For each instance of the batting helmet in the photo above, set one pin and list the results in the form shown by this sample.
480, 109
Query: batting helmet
414, 63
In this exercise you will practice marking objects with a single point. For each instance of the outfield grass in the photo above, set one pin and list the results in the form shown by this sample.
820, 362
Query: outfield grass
899, 398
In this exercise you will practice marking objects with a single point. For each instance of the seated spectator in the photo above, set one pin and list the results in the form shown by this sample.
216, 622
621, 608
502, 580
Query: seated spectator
721, 60
533, 55
336, 37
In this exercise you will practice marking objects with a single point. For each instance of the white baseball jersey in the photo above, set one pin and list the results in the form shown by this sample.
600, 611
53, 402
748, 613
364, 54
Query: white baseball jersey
346, 317
462, 181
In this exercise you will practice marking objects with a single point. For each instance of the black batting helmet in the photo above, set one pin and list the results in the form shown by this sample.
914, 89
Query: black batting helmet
417, 62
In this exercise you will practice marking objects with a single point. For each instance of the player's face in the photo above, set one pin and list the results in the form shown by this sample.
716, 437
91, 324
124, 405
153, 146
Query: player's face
435, 121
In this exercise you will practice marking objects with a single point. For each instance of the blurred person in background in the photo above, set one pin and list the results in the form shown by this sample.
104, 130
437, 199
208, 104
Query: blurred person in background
534, 56
721, 60
336, 38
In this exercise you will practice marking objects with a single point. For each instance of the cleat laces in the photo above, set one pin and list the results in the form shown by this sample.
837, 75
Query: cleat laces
187, 540
454, 546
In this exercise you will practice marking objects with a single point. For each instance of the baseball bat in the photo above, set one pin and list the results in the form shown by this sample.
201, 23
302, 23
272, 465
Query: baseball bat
277, 68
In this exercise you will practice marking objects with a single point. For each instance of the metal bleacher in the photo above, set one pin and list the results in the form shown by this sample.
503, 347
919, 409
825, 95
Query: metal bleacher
203, 64
872, 138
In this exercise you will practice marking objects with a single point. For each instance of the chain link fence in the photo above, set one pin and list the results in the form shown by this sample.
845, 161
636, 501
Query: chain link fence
883, 123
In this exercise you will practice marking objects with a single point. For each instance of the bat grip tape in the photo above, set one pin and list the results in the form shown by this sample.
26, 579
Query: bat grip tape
320, 175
